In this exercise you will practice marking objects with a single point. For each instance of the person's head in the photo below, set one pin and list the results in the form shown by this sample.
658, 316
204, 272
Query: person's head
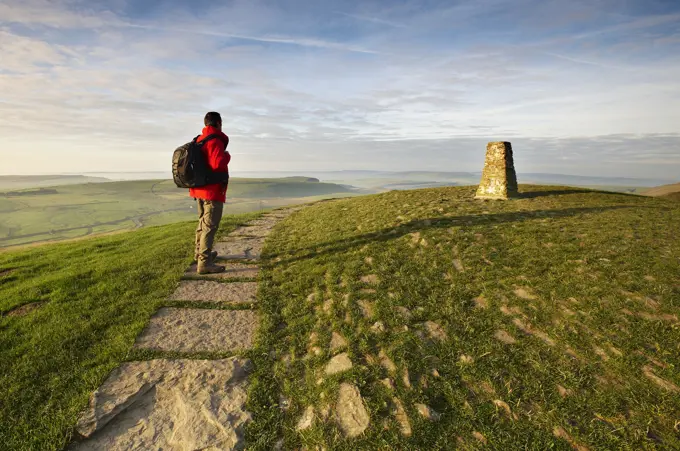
213, 119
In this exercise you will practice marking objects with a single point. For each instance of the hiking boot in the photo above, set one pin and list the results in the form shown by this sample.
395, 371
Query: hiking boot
210, 269
213, 257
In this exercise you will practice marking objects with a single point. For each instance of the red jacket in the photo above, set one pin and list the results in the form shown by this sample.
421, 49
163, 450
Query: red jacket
218, 159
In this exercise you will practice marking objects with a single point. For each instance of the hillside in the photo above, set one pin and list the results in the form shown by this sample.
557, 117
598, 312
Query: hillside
379, 181
76, 211
545, 322
14, 182
671, 191
69, 313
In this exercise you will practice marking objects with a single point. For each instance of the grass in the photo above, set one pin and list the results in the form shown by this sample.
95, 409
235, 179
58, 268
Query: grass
92, 299
83, 210
664, 190
587, 283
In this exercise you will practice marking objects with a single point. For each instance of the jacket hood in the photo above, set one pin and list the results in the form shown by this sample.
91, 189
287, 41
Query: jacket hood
210, 130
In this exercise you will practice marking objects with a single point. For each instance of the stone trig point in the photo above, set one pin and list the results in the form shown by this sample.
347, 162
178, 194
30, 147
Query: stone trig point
499, 180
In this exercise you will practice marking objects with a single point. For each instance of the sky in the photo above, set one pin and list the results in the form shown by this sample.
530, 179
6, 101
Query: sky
584, 87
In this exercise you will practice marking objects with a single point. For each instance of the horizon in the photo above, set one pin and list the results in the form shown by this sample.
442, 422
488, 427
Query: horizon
302, 173
354, 175
302, 87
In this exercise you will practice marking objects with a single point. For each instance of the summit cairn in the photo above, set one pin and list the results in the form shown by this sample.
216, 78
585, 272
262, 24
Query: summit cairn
499, 180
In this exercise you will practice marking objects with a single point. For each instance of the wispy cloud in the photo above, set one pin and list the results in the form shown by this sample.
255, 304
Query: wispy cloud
120, 84
583, 61
302, 42
376, 20
632, 24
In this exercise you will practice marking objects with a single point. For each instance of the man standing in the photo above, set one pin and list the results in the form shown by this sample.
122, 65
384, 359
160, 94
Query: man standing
210, 198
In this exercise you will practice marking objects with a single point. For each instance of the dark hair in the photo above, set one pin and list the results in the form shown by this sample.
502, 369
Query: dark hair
212, 119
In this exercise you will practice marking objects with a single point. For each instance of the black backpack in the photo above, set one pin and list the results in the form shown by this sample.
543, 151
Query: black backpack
190, 168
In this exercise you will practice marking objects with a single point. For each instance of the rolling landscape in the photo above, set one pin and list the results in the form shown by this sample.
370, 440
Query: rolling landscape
38, 209
550, 320
671, 191
448, 225
70, 211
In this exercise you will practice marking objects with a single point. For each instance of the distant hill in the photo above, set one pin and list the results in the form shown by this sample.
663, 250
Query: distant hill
672, 191
373, 181
30, 192
75, 210
389, 180
15, 182
302, 179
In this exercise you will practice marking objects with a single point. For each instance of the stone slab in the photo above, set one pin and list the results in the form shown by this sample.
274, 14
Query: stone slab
265, 222
209, 291
251, 231
241, 249
263, 226
199, 330
168, 405
232, 271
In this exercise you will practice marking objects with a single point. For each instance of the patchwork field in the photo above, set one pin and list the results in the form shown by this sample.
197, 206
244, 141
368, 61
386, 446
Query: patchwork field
76, 211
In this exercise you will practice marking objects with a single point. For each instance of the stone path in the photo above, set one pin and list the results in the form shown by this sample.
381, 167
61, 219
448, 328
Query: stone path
208, 291
178, 404
233, 271
199, 330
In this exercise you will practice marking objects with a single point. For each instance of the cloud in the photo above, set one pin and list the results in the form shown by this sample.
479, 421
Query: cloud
302, 42
53, 13
582, 61
376, 20
375, 86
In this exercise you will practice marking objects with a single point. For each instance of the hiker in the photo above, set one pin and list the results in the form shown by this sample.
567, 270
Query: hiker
210, 199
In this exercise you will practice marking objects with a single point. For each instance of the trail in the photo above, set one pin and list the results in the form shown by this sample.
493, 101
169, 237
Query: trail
183, 402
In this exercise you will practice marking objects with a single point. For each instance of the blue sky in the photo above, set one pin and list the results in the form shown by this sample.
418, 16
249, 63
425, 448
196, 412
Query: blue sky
578, 87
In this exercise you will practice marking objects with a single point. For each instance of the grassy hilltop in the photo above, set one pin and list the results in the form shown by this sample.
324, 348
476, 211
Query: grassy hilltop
547, 322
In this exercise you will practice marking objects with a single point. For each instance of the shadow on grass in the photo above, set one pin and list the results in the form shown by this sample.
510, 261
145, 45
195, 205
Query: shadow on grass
7, 276
562, 192
391, 233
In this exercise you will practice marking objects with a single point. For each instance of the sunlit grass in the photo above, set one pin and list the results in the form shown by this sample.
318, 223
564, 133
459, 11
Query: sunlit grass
70, 314
585, 284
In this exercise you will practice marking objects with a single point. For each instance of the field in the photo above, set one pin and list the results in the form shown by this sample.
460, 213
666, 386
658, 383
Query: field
669, 191
76, 211
18, 182
547, 322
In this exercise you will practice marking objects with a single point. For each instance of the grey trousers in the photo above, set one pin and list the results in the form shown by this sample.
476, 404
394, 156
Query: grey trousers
209, 217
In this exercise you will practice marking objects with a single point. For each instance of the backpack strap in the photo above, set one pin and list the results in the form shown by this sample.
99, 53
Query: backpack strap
206, 139
214, 177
